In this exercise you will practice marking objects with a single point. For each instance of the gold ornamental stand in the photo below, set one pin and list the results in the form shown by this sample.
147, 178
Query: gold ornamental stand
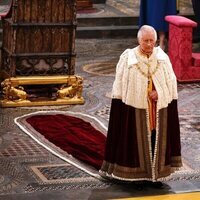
68, 91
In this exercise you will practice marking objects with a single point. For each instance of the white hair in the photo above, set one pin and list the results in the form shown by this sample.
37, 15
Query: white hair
146, 28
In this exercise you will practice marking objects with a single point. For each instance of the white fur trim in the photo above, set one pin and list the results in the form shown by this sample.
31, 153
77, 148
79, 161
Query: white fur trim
131, 86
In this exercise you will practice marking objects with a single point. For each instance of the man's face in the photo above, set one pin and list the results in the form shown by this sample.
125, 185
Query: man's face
147, 41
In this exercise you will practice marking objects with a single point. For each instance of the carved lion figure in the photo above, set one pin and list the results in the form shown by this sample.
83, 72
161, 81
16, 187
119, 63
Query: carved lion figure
12, 93
67, 92
71, 91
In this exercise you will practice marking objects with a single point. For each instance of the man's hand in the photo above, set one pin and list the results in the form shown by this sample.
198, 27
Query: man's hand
153, 95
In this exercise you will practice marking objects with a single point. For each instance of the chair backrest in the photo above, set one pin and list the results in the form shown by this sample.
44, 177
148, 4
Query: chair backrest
44, 11
39, 37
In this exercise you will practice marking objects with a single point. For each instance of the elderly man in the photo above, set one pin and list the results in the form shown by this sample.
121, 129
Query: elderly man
143, 139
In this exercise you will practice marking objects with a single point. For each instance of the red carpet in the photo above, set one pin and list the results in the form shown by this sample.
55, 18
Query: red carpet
73, 135
66, 133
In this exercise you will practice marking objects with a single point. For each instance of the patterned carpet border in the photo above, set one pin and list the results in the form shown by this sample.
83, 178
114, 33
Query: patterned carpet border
41, 140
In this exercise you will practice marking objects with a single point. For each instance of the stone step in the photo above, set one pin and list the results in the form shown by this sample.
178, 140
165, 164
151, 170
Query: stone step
84, 21
98, 1
106, 27
107, 31
196, 59
102, 31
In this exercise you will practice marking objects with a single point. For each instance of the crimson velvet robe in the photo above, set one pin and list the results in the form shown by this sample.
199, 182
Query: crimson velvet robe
128, 153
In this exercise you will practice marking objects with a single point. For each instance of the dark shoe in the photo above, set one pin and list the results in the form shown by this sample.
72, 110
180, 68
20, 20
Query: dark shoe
139, 185
158, 185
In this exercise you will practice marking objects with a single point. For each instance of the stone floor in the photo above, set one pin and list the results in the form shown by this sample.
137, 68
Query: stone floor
96, 60
131, 8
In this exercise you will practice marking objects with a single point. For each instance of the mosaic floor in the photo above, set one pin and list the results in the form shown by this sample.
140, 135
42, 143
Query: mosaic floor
28, 171
27, 168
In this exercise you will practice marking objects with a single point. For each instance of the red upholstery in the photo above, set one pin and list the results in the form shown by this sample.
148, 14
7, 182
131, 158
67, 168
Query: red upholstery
196, 59
180, 21
185, 64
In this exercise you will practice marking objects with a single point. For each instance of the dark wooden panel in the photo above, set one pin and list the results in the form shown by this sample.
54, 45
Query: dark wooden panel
56, 40
19, 11
39, 32
47, 40
43, 39
27, 44
55, 11
34, 10
27, 11
41, 11
48, 11
20, 41
61, 11
69, 12
66, 45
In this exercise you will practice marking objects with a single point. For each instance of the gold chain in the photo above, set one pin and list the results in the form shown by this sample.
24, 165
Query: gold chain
147, 75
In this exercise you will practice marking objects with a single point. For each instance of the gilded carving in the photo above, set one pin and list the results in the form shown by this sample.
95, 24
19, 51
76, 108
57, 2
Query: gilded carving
10, 93
71, 90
